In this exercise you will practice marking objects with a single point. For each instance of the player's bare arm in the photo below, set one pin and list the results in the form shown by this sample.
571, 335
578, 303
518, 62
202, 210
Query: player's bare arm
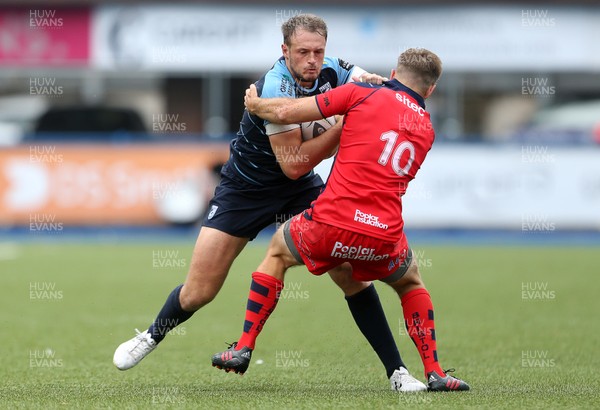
362, 76
281, 110
297, 157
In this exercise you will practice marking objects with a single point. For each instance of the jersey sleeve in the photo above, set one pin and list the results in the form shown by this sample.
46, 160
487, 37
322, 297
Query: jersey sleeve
278, 85
342, 68
337, 101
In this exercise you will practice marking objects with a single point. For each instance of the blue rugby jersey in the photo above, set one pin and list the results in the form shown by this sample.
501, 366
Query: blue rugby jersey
251, 156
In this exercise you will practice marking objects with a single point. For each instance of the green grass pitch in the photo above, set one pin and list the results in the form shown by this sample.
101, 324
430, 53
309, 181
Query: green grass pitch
520, 324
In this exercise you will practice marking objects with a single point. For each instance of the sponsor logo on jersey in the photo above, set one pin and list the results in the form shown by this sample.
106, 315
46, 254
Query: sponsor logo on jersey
213, 211
325, 87
287, 86
369, 219
406, 101
345, 65
356, 253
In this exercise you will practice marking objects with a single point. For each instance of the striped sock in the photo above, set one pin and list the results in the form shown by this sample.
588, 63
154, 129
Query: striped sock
418, 318
262, 300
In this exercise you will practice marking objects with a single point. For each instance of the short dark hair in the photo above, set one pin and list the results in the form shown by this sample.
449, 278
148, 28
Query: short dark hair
423, 64
308, 22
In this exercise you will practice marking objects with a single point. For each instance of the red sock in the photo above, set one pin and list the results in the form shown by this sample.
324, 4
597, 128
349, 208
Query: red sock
418, 318
263, 297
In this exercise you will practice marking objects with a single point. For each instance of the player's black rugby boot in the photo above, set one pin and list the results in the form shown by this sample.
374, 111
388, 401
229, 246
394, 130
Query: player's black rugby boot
435, 382
233, 360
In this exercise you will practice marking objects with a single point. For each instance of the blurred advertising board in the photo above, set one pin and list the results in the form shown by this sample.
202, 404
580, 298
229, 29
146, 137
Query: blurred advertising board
532, 188
45, 36
107, 185
188, 37
185, 37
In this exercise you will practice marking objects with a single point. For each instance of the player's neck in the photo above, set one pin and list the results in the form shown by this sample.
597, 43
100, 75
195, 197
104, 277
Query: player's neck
305, 84
408, 82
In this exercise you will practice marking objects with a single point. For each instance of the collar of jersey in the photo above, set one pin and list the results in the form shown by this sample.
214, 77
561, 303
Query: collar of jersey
304, 90
398, 86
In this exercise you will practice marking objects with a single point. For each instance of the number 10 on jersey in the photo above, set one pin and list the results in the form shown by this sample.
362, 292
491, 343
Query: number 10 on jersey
390, 138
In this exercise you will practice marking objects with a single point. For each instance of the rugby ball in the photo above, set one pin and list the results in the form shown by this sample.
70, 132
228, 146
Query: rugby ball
312, 129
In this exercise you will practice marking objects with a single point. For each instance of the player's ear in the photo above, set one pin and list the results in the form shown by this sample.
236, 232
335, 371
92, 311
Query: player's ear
430, 90
393, 74
285, 50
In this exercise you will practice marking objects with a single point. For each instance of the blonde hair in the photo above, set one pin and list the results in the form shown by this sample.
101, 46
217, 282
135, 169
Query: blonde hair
422, 65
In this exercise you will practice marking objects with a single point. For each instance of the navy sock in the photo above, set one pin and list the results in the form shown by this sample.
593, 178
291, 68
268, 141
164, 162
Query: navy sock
169, 317
370, 318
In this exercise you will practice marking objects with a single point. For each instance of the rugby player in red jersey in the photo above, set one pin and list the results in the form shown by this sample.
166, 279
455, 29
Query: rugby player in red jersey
386, 136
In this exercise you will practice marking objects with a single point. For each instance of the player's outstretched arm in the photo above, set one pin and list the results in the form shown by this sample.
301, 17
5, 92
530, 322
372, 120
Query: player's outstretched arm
361, 76
281, 110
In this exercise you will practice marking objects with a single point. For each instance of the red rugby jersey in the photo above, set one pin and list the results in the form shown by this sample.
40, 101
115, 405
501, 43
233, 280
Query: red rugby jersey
386, 136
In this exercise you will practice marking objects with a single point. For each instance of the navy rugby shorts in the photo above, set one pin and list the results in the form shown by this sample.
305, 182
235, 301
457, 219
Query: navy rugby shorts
243, 210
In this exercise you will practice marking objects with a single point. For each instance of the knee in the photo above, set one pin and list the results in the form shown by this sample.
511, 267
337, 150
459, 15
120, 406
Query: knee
413, 276
352, 287
193, 298
410, 281
342, 277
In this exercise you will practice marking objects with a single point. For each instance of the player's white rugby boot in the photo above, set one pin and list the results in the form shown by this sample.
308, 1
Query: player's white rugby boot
402, 381
131, 352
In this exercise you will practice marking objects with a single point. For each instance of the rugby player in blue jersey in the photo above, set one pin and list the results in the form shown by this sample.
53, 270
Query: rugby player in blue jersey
262, 184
